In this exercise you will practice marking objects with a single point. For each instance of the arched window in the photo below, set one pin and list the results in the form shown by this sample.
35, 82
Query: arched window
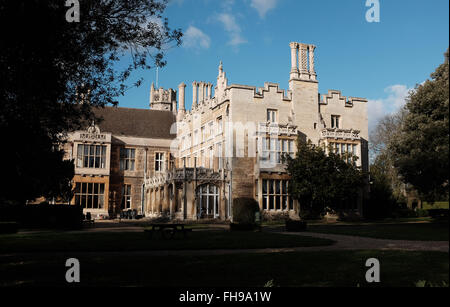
207, 201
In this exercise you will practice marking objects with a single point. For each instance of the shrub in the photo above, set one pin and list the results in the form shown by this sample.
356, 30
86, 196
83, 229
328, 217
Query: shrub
274, 216
438, 213
244, 210
293, 225
306, 214
422, 213
404, 213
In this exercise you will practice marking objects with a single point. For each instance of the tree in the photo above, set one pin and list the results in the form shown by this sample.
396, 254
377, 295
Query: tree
52, 72
421, 148
320, 180
382, 166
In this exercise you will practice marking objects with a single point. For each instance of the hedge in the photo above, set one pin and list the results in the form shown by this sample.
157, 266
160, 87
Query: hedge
244, 210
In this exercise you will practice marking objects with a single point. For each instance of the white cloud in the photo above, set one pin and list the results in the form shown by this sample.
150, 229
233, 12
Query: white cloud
196, 39
233, 29
263, 6
378, 108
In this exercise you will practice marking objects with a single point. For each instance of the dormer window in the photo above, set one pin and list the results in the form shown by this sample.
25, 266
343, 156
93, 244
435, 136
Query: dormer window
335, 121
272, 115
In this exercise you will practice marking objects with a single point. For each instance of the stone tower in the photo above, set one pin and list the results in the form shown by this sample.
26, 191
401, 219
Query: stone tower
163, 100
305, 90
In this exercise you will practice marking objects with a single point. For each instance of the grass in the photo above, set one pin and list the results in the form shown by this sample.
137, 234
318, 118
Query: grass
436, 205
337, 268
139, 241
436, 231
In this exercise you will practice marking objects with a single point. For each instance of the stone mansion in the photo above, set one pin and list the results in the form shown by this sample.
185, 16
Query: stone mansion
190, 164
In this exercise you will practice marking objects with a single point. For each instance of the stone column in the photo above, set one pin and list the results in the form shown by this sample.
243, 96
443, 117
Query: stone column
209, 87
173, 206
194, 94
201, 92
294, 68
166, 201
181, 100
302, 60
311, 62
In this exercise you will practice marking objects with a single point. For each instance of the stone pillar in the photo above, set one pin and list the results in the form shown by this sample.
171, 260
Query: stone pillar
201, 92
303, 61
174, 201
194, 94
181, 100
209, 90
152, 202
294, 68
311, 62
166, 201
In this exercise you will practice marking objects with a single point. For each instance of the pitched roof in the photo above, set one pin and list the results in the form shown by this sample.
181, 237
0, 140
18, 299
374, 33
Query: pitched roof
136, 122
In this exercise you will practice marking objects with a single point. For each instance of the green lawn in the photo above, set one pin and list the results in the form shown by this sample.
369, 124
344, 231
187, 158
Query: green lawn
435, 231
134, 241
436, 205
337, 268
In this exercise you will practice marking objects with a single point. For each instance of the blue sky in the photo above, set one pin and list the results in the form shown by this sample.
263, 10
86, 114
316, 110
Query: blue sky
379, 61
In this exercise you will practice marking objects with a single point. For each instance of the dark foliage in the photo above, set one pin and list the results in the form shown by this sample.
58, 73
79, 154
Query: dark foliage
52, 72
322, 180
244, 210
421, 149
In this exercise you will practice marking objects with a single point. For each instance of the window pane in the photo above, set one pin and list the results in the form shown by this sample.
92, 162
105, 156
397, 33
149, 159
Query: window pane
89, 201
277, 186
277, 200
89, 188
271, 202
270, 186
264, 186
284, 186
102, 188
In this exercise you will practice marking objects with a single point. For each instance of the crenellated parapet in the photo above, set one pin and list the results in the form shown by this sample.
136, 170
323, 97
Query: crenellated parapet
163, 100
335, 95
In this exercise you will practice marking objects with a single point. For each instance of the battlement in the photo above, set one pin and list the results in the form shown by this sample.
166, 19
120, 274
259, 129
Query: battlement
337, 96
163, 100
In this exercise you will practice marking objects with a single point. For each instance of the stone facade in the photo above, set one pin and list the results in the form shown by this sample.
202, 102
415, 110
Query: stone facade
228, 145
